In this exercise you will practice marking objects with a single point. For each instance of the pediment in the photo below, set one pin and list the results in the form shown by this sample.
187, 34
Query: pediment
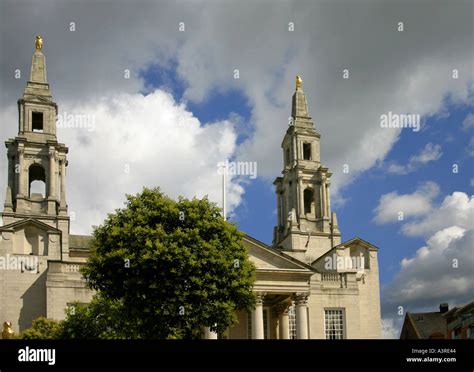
18, 225
268, 258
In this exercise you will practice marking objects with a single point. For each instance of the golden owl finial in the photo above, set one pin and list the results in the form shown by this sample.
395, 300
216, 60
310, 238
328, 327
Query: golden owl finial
7, 331
39, 42
299, 82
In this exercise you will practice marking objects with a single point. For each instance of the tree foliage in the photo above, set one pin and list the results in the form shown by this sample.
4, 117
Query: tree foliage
42, 329
170, 267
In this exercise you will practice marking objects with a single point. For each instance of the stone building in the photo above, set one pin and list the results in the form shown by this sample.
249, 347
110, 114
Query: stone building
308, 283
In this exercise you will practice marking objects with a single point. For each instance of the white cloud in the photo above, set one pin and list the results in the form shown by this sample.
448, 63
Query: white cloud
418, 203
142, 141
456, 209
406, 74
468, 121
390, 328
440, 271
430, 152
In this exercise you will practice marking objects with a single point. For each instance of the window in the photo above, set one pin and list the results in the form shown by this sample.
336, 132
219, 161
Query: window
37, 121
307, 151
287, 157
457, 333
308, 200
37, 181
292, 319
334, 324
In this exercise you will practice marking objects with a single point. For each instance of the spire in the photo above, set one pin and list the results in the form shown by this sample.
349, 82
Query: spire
37, 84
299, 106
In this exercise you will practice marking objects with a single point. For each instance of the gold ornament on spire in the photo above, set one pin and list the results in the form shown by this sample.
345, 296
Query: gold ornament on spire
299, 82
39, 42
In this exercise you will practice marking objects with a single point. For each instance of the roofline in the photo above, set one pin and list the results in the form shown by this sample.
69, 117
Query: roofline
278, 252
28, 220
370, 246
410, 319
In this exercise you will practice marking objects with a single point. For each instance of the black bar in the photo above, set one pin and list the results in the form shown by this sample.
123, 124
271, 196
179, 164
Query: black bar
243, 355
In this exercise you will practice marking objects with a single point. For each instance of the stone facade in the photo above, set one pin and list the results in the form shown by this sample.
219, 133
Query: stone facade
308, 283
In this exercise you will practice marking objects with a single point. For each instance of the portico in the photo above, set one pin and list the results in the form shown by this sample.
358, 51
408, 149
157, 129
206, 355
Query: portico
282, 289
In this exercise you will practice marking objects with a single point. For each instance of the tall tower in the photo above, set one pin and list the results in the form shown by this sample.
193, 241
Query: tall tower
36, 188
306, 227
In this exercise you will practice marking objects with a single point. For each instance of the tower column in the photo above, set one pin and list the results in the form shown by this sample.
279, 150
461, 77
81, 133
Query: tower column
21, 174
301, 198
329, 198
324, 201
63, 206
52, 172
279, 211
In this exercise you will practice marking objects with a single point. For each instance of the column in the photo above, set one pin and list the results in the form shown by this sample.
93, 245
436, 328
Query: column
301, 198
257, 318
295, 154
329, 198
324, 200
21, 175
284, 323
209, 335
301, 316
63, 184
52, 173
279, 211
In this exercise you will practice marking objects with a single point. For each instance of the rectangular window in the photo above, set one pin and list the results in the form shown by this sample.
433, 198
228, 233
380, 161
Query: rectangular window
307, 151
37, 121
287, 157
334, 324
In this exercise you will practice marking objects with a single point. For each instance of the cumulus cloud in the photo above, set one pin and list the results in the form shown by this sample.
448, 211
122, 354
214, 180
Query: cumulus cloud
419, 203
400, 72
456, 209
430, 152
440, 271
391, 328
137, 141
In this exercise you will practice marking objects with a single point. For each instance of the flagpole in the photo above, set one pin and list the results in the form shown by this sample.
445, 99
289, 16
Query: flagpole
224, 212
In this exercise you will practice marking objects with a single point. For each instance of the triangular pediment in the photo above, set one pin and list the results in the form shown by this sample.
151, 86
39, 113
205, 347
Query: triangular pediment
268, 258
18, 225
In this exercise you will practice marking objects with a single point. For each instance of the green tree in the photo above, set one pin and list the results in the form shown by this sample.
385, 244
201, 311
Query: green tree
42, 329
175, 266
100, 319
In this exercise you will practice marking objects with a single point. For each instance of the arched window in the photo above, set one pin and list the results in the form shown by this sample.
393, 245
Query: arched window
308, 199
37, 180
